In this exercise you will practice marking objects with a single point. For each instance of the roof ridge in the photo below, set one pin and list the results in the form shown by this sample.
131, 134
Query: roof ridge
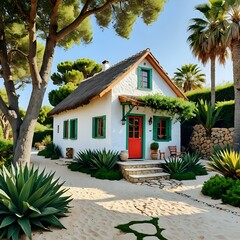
118, 63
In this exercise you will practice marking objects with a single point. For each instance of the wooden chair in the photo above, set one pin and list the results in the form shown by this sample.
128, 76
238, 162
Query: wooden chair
161, 155
174, 153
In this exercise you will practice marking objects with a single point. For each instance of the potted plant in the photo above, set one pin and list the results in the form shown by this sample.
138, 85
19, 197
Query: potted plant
154, 150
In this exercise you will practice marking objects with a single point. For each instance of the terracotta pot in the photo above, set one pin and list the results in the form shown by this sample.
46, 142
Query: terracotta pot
154, 156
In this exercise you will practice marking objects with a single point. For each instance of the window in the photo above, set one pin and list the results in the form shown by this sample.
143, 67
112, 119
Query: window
144, 78
70, 129
73, 129
161, 129
65, 129
99, 127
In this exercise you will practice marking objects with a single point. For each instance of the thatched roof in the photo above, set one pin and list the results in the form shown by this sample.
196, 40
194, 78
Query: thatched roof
101, 83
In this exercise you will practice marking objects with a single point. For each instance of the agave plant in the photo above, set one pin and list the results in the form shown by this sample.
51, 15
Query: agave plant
227, 163
175, 165
82, 160
207, 116
105, 159
193, 161
29, 199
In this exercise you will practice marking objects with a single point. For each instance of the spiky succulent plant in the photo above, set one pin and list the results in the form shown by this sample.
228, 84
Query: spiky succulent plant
29, 198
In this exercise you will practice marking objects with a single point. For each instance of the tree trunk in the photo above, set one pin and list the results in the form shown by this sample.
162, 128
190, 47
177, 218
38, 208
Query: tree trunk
213, 97
236, 77
23, 144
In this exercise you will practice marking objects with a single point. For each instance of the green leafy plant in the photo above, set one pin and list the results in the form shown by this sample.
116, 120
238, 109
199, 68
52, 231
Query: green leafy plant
226, 162
51, 151
175, 165
154, 146
218, 148
103, 173
101, 164
192, 161
206, 115
105, 159
232, 195
82, 160
216, 186
177, 107
29, 198
184, 176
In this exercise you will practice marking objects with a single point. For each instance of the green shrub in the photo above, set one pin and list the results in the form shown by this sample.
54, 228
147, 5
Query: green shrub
29, 199
175, 165
216, 186
105, 159
223, 93
103, 173
227, 112
40, 135
206, 115
154, 146
226, 162
47, 140
192, 161
232, 195
177, 107
51, 151
83, 159
184, 176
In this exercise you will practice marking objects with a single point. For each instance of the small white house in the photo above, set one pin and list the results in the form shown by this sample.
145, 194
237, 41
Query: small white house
104, 111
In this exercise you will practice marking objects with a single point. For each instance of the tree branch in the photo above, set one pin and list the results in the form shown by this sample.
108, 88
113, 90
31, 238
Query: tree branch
33, 43
3, 107
84, 14
25, 16
50, 43
6, 72
18, 51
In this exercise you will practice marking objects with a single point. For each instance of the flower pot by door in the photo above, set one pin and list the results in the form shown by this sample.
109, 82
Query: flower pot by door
154, 156
124, 155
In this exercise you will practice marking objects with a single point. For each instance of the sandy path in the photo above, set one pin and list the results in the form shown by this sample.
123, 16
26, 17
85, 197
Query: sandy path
100, 205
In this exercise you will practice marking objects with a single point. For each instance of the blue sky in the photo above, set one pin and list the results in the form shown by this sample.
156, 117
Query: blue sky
166, 39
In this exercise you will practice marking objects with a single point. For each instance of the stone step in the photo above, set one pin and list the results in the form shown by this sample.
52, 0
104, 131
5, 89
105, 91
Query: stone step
141, 171
145, 177
140, 164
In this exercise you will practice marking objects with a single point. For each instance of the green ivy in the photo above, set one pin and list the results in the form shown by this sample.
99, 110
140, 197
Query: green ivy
175, 107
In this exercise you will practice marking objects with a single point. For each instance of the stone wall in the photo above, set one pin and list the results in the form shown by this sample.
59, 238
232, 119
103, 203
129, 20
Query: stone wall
204, 144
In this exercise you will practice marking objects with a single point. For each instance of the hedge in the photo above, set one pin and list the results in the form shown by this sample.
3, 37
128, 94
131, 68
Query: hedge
223, 93
40, 135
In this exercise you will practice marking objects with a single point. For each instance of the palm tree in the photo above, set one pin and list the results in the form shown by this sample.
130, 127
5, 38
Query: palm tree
206, 40
189, 77
231, 17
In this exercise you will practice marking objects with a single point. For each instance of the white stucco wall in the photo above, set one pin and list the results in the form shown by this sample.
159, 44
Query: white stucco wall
109, 105
98, 107
128, 86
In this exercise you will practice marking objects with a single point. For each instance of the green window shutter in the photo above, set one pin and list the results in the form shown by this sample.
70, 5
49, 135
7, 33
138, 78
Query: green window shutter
150, 79
139, 76
65, 129
73, 128
104, 126
93, 127
155, 125
169, 129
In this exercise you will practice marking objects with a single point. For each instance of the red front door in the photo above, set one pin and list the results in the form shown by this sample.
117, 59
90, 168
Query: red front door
135, 136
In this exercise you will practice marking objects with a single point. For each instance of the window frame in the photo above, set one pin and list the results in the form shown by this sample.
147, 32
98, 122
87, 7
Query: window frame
95, 127
168, 128
140, 78
73, 129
